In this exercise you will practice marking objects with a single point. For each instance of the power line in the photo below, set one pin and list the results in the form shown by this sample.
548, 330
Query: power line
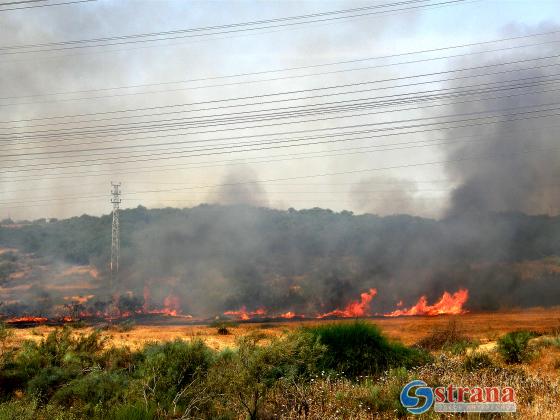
187, 33
174, 167
126, 148
10, 3
96, 162
382, 134
322, 95
265, 80
355, 171
319, 65
344, 107
135, 128
338, 184
40, 5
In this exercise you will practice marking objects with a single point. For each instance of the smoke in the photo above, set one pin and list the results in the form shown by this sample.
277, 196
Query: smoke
234, 253
512, 165
240, 186
386, 195
211, 259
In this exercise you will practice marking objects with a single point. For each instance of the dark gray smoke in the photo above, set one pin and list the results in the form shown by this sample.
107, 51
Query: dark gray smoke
513, 165
211, 259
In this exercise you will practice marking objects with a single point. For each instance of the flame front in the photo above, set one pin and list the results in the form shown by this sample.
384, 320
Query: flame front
448, 304
354, 308
33, 319
244, 315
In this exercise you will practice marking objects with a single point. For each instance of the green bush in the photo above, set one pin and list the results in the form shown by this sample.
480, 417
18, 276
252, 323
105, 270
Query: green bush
247, 375
95, 389
359, 348
171, 373
43, 367
477, 360
514, 346
119, 359
131, 412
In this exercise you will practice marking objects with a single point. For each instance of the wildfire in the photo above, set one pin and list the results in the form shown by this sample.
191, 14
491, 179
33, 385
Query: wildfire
171, 305
290, 315
35, 319
354, 308
244, 315
450, 304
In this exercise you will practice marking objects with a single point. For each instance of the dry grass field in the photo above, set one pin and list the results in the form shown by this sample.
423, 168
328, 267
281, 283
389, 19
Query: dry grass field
484, 327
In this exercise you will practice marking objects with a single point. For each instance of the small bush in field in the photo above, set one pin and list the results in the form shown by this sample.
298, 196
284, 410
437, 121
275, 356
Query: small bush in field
514, 346
359, 348
222, 326
223, 331
449, 338
477, 360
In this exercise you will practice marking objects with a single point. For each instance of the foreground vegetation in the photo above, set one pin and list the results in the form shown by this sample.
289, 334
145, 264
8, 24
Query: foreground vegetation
342, 370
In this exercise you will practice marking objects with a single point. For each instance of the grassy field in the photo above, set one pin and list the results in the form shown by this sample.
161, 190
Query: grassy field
484, 327
464, 350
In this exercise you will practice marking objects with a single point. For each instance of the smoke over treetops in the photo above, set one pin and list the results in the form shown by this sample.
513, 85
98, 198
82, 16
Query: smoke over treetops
208, 260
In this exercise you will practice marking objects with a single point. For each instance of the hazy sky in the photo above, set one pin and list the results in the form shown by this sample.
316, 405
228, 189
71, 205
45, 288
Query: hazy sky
60, 167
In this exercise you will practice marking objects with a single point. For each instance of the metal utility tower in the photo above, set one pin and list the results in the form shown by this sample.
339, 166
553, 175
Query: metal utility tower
115, 240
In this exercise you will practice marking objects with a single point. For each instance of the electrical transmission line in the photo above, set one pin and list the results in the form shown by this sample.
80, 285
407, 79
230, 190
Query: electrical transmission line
335, 63
230, 28
64, 3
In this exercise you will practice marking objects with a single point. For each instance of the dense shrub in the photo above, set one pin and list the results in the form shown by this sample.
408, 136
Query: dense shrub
477, 360
171, 374
95, 389
358, 348
514, 346
248, 374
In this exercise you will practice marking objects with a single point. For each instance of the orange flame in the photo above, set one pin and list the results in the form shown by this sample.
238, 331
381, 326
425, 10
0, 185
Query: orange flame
354, 308
36, 319
290, 315
450, 304
244, 315
171, 305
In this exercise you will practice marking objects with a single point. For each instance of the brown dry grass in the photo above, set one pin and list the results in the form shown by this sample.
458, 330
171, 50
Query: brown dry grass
484, 327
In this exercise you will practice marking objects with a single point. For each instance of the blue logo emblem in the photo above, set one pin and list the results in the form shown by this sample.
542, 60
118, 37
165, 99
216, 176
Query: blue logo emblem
417, 397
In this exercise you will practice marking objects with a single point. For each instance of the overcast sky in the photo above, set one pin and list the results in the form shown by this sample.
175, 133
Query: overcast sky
61, 167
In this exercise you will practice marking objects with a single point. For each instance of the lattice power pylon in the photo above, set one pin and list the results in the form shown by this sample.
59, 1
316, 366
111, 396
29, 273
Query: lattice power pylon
115, 231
